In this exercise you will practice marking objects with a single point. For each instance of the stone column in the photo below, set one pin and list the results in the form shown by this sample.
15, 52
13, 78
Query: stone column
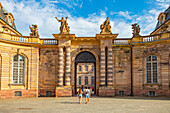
102, 66
60, 67
68, 66
110, 66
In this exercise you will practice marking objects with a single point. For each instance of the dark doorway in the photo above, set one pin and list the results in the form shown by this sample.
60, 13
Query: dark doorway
85, 57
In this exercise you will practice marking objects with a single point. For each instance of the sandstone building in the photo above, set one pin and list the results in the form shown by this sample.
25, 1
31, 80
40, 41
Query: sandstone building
32, 67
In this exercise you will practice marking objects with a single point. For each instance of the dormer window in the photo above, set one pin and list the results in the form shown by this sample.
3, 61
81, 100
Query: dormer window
9, 20
162, 20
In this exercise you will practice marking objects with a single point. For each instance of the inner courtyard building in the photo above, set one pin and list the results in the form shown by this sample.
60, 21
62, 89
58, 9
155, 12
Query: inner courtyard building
31, 66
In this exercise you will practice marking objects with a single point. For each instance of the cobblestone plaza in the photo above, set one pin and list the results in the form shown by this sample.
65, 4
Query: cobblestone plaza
96, 105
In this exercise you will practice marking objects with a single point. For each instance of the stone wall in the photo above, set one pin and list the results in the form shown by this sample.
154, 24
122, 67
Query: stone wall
162, 51
48, 70
122, 69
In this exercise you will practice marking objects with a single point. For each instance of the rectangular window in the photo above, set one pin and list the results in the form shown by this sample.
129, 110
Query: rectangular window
79, 68
92, 80
86, 68
152, 93
18, 93
79, 80
48, 93
121, 92
93, 68
86, 80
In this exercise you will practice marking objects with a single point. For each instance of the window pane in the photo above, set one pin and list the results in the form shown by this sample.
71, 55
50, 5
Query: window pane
148, 66
93, 68
21, 64
16, 58
79, 68
154, 58
20, 79
21, 72
86, 80
15, 71
21, 58
148, 79
92, 80
155, 66
79, 80
15, 64
149, 58
15, 79
86, 68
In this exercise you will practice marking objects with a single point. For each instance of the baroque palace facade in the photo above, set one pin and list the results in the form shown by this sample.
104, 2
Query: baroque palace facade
32, 67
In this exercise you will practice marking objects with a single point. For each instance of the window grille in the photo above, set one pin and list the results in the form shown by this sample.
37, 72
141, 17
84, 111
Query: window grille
121, 92
48, 93
17, 93
152, 93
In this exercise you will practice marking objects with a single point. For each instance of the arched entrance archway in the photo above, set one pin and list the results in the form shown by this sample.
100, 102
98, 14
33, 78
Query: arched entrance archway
85, 57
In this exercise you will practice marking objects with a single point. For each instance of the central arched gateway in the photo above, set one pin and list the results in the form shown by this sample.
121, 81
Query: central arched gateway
85, 57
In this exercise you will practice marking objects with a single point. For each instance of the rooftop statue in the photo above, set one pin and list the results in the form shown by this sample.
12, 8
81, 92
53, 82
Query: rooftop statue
105, 27
136, 30
34, 30
64, 28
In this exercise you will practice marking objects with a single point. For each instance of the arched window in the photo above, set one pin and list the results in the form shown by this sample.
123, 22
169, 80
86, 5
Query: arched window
79, 80
152, 69
86, 80
18, 69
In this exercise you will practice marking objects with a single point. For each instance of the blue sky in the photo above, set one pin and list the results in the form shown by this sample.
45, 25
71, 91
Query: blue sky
85, 16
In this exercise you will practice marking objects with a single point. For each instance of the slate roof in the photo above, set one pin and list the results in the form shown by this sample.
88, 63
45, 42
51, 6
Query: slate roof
2, 12
166, 19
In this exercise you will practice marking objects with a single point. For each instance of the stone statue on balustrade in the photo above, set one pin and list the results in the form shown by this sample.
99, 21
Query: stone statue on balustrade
136, 30
34, 30
105, 27
64, 28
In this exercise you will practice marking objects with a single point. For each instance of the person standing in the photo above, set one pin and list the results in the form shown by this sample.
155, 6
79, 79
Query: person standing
87, 95
80, 95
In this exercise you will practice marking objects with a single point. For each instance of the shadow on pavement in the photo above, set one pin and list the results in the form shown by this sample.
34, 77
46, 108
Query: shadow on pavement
68, 102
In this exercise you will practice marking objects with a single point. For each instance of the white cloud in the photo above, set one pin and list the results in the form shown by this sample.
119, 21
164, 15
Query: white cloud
125, 14
43, 14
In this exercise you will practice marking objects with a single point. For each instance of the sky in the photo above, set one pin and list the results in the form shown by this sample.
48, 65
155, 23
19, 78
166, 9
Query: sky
85, 16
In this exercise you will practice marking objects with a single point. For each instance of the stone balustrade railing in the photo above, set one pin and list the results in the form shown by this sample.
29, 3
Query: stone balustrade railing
49, 41
122, 41
119, 41
20, 38
151, 38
